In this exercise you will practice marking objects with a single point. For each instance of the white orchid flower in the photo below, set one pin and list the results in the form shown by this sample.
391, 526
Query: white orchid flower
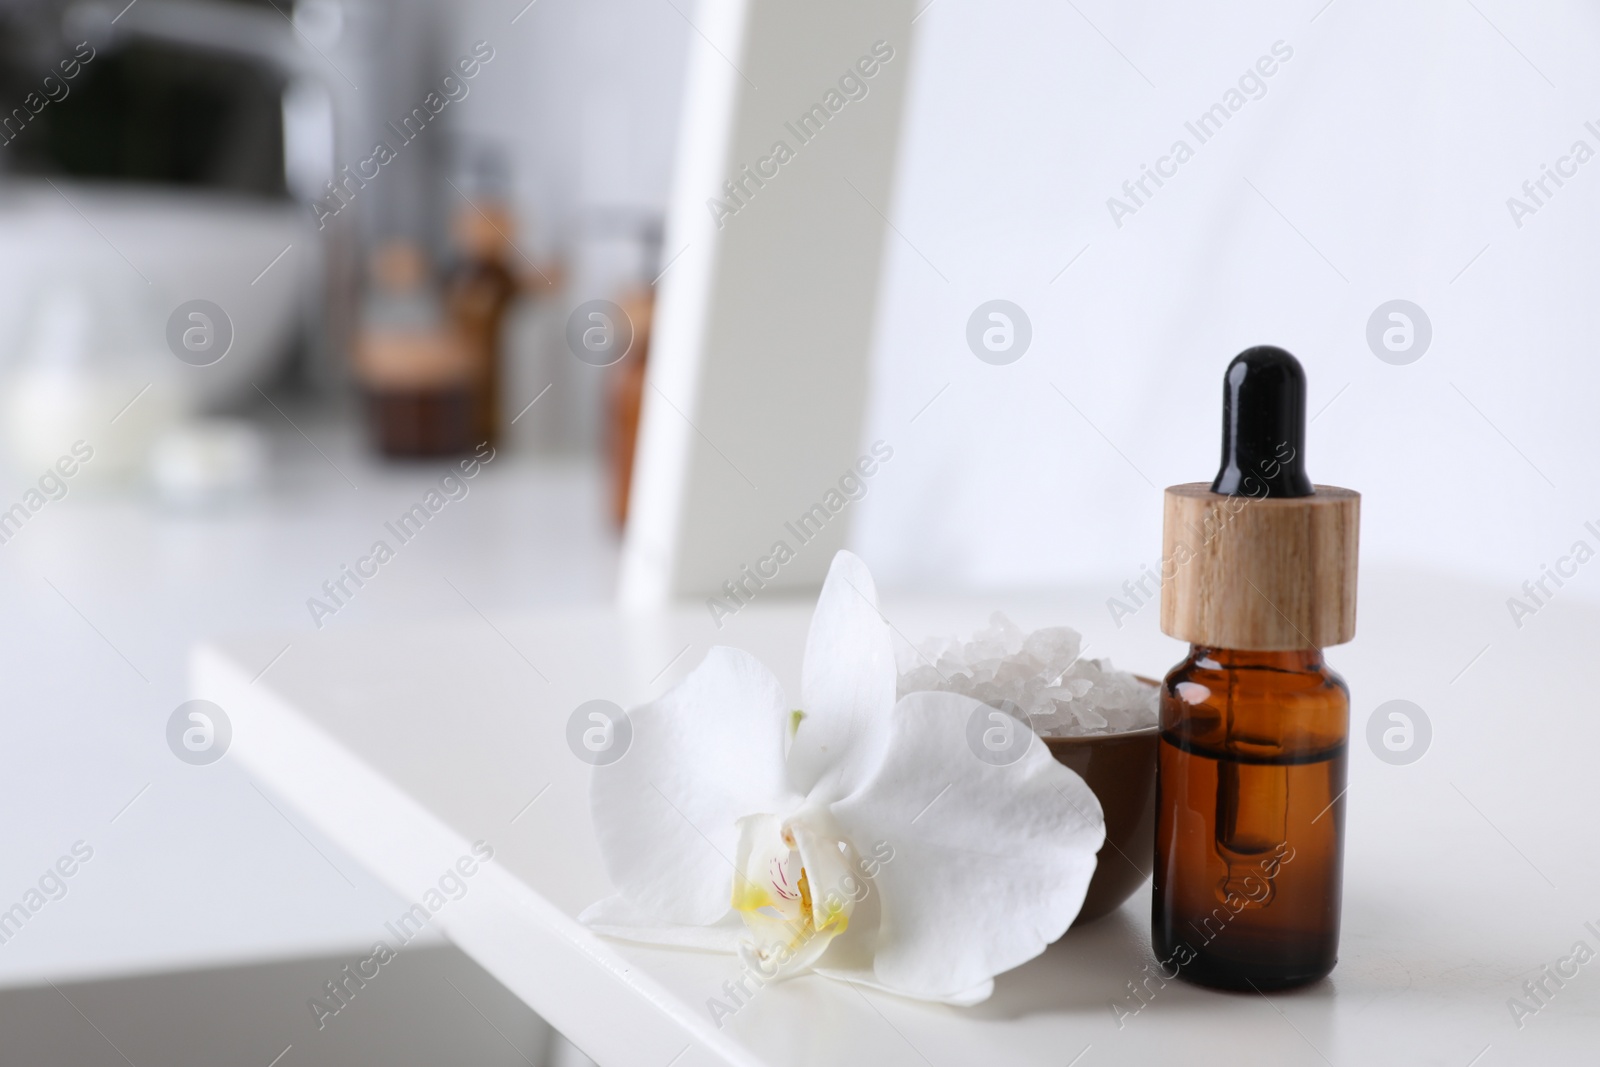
855, 835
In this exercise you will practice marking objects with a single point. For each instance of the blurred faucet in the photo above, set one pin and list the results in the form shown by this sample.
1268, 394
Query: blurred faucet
314, 99
235, 28
317, 102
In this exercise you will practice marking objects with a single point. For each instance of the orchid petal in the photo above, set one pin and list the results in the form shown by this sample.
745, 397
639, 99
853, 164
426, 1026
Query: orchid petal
990, 863
616, 916
847, 685
708, 752
867, 979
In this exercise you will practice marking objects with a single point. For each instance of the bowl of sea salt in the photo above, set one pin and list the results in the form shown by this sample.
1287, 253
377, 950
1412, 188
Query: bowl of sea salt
1100, 722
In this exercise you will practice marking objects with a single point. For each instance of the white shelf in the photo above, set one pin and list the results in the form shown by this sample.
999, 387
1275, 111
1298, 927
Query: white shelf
1466, 872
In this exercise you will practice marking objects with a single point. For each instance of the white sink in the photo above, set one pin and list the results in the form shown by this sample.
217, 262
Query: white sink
139, 253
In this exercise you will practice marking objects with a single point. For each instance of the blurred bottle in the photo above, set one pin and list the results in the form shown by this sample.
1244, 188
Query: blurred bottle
478, 292
415, 370
625, 399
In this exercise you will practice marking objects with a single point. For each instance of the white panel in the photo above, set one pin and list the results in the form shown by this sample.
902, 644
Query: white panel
757, 383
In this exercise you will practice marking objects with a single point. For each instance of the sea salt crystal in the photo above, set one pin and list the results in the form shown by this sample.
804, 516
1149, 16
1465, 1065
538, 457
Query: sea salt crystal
1039, 677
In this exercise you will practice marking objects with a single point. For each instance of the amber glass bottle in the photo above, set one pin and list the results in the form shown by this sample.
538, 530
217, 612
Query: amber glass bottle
479, 292
1258, 576
1251, 817
416, 372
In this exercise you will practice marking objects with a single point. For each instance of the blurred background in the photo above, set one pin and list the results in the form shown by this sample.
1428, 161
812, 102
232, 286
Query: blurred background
357, 337
269, 271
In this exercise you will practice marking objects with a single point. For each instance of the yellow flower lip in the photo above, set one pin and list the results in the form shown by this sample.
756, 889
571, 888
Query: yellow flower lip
752, 899
788, 887
748, 896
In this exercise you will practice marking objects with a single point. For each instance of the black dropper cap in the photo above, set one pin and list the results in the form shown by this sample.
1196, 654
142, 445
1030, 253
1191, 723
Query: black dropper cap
1263, 426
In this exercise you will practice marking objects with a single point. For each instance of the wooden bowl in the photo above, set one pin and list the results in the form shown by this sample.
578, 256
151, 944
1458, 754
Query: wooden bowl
1121, 770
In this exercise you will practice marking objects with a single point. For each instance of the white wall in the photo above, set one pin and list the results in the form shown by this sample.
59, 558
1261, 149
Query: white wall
1390, 141
583, 96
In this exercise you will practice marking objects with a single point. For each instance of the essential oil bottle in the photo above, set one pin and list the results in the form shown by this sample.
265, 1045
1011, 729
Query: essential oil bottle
1259, 577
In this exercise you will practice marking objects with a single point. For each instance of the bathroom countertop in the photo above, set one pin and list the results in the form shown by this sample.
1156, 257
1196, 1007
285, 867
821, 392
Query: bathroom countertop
106, 591
1467, 871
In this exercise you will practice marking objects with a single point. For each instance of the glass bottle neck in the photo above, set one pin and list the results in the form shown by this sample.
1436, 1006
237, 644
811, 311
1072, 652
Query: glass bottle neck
1305, 659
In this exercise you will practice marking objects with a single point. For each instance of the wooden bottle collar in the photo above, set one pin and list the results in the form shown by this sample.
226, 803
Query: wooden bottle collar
1260, 573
